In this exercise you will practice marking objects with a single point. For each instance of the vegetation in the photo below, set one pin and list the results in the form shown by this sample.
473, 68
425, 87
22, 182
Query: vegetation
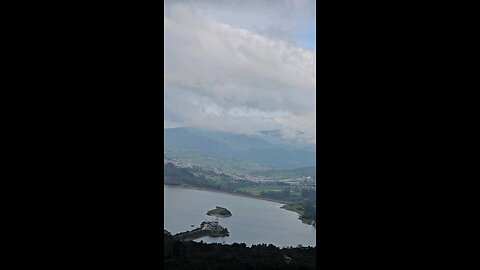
259, 189
193, 255
224, 163
309, 212
279, 195
280, 191
197, 177
306, 210
289, 174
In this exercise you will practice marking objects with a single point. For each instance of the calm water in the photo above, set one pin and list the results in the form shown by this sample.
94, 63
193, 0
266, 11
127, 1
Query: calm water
252, 222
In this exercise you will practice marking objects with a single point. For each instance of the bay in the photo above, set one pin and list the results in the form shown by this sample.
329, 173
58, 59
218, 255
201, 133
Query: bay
253, 221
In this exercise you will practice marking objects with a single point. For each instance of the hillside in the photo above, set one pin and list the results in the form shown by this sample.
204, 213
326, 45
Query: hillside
228, 164
234, 152
199, 178
289, 174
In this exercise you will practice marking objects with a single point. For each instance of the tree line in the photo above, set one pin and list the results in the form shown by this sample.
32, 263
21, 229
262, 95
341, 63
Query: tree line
199, 255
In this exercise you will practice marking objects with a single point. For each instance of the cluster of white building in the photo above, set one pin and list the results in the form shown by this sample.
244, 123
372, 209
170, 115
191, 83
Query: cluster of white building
212, 226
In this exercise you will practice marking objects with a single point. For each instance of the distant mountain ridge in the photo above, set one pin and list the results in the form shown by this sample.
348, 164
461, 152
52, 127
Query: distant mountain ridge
274, 154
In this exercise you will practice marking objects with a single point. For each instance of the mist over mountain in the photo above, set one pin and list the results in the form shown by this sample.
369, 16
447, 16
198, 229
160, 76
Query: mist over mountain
234, 75
266, 149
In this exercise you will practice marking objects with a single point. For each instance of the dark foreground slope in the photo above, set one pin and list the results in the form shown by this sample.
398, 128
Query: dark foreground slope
192, 255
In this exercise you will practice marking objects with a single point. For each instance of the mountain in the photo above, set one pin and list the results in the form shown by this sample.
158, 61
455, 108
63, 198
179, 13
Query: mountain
275, 137
191, 140
258, 151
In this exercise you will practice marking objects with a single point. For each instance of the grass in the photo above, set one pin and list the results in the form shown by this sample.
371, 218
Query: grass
211, 178
289, 173
258, 189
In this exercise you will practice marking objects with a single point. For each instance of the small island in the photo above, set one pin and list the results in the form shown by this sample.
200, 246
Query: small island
219, 212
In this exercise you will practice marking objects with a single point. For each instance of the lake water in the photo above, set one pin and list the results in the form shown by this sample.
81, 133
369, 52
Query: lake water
253, 221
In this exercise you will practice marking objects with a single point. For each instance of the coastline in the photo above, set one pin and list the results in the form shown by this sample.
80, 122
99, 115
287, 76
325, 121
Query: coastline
231, 193
285, 203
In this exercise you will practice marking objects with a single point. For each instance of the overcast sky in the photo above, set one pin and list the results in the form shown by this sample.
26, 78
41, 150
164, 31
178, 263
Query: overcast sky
241, 66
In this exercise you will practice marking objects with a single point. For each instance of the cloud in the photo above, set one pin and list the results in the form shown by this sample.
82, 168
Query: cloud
223, 77
285, 20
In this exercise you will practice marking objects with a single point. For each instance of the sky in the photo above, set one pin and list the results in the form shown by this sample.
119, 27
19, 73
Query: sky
241, 66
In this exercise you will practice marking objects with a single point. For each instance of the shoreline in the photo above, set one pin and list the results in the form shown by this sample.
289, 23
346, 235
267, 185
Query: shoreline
285, 203
232, 193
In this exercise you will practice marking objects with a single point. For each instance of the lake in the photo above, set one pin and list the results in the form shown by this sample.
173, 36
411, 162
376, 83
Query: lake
253, 221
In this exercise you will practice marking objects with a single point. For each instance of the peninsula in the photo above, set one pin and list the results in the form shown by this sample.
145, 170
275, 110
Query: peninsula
219, 212
212, 229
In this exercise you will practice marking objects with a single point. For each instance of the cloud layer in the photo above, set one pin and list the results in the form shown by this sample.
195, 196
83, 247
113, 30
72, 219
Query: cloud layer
224, 77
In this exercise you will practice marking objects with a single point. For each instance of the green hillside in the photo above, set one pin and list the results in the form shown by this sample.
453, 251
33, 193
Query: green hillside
226, 164
233, 152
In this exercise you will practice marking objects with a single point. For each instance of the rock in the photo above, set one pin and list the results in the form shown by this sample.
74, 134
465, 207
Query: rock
219, 212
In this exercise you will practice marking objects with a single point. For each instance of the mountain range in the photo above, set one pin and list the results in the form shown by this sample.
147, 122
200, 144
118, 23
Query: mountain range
252, 152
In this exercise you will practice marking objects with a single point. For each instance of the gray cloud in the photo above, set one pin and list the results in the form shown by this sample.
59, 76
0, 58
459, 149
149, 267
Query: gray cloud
277, 19
221, 76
